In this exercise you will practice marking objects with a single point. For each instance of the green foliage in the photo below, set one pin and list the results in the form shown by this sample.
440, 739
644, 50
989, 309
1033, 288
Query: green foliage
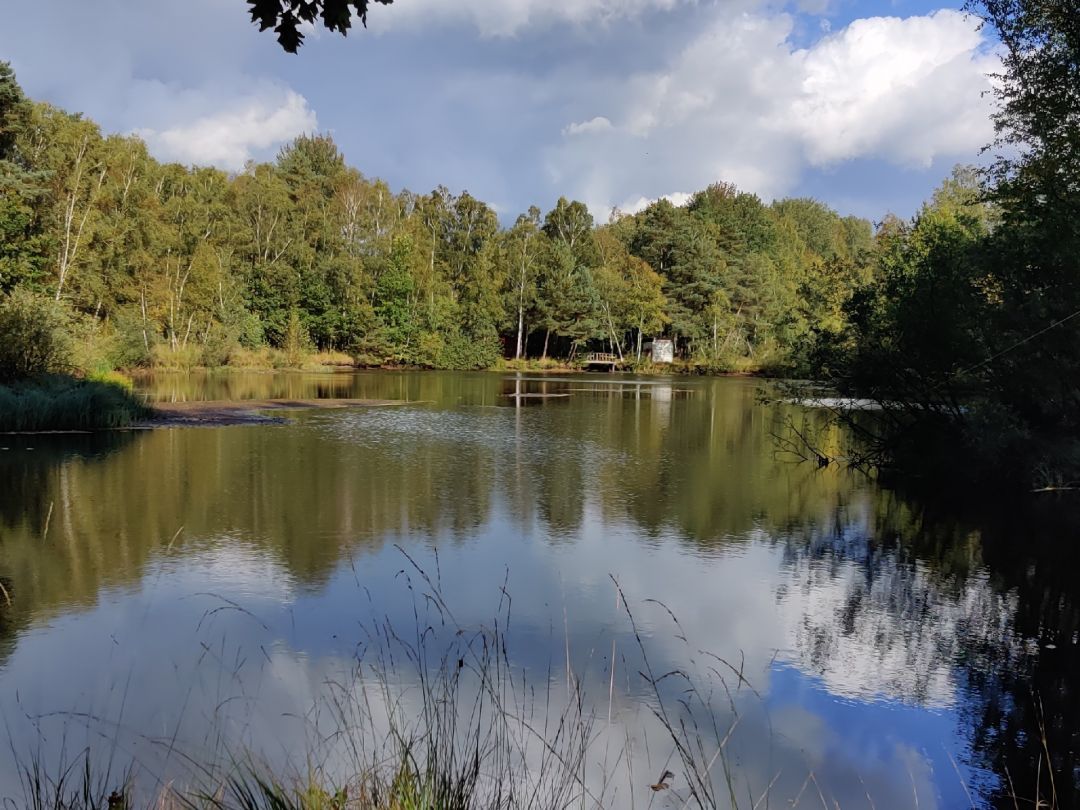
65, 403
296, 342
166, 265
34, 336
122, 381
968, 333
132, 341
463, 352
23, 248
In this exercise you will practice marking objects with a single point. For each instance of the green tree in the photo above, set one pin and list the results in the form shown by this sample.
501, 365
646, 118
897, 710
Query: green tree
394, 301
682, 248
23, 241
34, 336
1035, 186
629, 293
523, 249
567, 297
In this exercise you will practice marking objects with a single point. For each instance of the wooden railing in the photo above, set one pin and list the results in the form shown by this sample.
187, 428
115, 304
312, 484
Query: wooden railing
600, 357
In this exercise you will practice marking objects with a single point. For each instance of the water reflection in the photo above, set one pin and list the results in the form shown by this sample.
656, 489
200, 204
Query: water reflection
895, 644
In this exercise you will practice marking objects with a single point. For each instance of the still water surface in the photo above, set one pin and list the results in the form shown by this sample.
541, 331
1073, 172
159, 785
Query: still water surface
195, 590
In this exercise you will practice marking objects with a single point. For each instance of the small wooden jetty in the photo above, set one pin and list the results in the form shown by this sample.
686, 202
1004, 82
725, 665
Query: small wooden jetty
601, 361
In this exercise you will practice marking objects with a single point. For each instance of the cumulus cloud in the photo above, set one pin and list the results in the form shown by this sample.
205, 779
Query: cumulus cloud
230, 136
742, 104
906, 89
132, 68
611, 101
676, 198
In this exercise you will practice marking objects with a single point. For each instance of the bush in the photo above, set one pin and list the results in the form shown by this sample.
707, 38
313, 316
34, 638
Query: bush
133, 341
217, 347
34, 336
331, 359
464, 353
297, 343
534, 364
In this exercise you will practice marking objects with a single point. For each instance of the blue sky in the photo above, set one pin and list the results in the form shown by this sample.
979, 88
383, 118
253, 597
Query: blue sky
863, 104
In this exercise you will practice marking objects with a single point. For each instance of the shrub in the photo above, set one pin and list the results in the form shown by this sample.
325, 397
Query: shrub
464, 353
332, 359
217, 347
34, 337
133, 341
297, 343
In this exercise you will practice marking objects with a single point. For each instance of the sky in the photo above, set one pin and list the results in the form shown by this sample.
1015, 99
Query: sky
863, 104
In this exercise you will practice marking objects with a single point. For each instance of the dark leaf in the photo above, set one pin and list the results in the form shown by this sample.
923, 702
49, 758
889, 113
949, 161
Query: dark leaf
288, 33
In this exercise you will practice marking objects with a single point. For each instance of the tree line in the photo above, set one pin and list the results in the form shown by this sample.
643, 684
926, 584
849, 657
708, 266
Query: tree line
154, 260
962, 323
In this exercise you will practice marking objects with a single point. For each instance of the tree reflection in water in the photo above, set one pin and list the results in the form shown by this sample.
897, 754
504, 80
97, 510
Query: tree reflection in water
876, 595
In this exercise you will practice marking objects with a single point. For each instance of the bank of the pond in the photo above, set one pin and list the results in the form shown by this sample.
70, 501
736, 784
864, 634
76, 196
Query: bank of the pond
244, 412
109, 401
553, 368
65, 403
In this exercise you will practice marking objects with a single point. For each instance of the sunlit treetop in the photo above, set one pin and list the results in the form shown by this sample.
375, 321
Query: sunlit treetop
286, 16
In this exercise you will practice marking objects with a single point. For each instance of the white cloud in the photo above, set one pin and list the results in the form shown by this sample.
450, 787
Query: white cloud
677, 198
611, 100
906, 89
740, 103
501, 18
132, 68
236, 132
597, 124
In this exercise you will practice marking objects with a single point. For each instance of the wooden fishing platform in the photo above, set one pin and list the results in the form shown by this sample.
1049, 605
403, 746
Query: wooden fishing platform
601, 361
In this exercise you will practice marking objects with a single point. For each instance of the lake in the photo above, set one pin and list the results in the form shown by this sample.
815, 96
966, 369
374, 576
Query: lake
183, 594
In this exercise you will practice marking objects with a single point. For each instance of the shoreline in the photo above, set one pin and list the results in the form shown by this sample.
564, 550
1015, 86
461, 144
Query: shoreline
665, 371
198, 413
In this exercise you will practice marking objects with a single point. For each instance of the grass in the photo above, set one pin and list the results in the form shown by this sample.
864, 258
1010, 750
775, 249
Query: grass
266, 358
60, 402
164, 358
438, 718
534, 364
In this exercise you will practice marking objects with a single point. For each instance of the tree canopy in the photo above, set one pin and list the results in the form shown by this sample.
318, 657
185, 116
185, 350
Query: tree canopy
166, 263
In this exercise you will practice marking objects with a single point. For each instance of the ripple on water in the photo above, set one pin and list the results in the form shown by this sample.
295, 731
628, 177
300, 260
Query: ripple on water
498, 430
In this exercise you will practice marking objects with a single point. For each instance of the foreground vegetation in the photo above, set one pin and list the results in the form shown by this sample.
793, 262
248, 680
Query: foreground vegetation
438, 716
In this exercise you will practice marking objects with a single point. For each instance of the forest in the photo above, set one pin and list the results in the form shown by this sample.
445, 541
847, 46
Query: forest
180, 266
960, 323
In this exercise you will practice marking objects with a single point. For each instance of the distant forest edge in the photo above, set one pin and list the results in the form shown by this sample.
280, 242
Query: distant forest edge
162, 264
961, 325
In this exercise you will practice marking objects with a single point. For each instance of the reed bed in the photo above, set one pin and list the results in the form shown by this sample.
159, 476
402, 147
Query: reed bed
59, 402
